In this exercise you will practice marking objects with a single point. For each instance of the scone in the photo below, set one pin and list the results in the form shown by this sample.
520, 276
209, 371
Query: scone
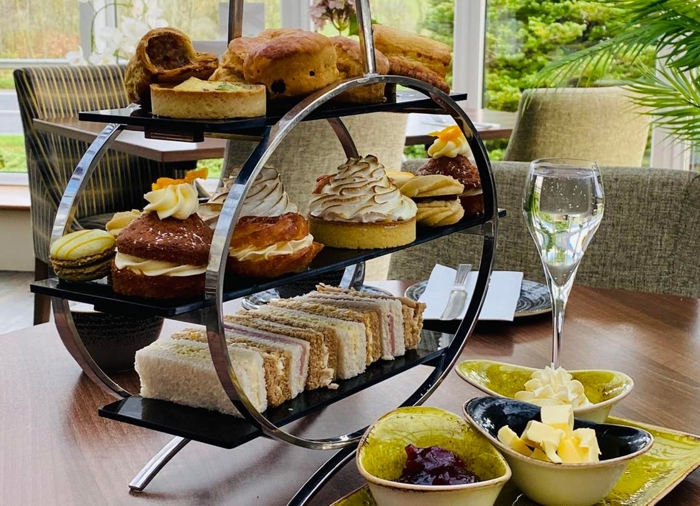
360, 208
350, 58
291, 64
164, 253
82, 255
414, 56
267, 197
165, 55
267, 247
197, 99
437, 199
449, 157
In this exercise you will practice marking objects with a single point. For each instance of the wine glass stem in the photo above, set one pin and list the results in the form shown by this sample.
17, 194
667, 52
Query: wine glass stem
558, 308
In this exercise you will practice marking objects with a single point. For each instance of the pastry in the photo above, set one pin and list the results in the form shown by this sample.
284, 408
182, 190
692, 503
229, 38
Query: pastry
120, 221
291, 63
449, 157
267, 247
165, 55
82, 255
182, 371
164, 253
350, 57
437, 199
197, 99
266, 197
414, 56
360, 208
399, 178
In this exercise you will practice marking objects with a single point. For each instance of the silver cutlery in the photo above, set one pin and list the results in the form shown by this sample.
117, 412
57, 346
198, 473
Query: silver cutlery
458, 295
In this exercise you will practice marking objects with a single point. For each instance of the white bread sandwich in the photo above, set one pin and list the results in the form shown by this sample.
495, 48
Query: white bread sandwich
322, 356
368, 319
350, 337
412, 312
277, 362
181, 371
298, 350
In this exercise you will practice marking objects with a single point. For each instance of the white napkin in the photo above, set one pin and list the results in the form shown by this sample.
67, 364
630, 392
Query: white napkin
501, 297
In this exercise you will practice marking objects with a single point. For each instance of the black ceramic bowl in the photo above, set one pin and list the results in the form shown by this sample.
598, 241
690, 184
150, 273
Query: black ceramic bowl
113, 340
581, 484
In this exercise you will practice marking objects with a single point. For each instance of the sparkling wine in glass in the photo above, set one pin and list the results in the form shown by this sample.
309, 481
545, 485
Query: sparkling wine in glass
563, 204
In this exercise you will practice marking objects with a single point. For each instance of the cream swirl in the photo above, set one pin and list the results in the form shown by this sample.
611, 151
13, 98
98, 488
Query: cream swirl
360, 192
450, 142
177, 200
156, 267
120, 221
553, 386
274, 250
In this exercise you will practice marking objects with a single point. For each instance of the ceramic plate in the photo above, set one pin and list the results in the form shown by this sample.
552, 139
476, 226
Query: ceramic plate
673, 456
534, 297
261, 298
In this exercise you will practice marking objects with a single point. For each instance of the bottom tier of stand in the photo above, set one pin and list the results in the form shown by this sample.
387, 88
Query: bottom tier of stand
226, 431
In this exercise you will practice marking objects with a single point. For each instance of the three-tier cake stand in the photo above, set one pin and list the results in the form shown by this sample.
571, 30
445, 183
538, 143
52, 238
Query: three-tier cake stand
404, 95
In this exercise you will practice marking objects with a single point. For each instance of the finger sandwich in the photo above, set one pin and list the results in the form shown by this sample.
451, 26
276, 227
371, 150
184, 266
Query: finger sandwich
350, 337
182, 371
322, 349
412, 312
368, 319
277, 361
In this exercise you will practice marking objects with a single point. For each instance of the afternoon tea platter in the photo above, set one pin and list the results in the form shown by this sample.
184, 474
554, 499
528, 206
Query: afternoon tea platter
235, 375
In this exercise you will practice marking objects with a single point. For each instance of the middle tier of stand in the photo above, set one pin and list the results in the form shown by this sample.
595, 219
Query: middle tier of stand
101, 295
227, 431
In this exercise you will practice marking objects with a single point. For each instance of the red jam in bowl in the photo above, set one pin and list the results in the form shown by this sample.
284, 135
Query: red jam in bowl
435, 466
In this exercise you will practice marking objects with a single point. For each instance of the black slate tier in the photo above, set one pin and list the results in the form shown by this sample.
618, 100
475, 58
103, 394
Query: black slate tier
403, 101
226, 431
101, 295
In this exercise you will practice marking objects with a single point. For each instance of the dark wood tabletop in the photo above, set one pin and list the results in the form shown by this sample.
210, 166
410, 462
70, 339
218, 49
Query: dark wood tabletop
55, 450
493, 125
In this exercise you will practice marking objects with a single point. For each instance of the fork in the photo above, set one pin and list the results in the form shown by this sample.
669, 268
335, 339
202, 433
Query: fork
458, 295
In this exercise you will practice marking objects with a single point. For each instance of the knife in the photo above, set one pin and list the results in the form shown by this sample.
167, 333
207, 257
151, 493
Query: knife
458, 295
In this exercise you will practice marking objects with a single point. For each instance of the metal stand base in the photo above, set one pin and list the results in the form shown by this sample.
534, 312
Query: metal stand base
157, 463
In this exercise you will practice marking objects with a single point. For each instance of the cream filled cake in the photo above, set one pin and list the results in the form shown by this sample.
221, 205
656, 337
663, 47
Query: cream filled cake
360, 208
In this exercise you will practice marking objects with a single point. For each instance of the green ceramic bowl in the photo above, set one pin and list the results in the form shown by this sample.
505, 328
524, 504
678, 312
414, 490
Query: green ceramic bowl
499, 379
381, 458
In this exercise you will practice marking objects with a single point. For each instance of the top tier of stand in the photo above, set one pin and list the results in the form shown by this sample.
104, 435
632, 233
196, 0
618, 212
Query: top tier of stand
406, 101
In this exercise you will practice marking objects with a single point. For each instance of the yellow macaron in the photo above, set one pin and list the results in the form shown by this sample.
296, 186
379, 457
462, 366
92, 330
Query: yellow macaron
83, 255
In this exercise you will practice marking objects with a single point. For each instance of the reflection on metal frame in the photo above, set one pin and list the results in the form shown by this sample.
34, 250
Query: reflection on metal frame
62, 224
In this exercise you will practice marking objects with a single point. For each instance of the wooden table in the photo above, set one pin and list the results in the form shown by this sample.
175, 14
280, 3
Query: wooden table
55, 450
134, 143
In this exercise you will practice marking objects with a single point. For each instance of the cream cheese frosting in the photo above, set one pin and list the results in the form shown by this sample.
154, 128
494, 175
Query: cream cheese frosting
156, 267
277, 249
178, 200
120, 221
450, 142
550, 386
361, 192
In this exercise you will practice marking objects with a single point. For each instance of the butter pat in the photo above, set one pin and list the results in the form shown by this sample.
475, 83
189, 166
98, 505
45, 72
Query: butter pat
587, 439
545, 438
508, 437
559, 417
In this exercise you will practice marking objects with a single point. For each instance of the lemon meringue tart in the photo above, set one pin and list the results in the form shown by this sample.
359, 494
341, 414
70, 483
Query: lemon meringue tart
360, 208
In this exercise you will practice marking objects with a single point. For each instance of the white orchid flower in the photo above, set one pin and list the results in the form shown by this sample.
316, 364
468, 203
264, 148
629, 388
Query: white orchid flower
76, 57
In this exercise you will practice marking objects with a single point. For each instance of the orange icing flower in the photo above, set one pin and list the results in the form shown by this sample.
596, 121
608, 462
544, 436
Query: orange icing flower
450, 133
190, 176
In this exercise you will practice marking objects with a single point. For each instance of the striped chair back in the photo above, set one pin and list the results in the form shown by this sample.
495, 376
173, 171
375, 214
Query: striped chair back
119, 181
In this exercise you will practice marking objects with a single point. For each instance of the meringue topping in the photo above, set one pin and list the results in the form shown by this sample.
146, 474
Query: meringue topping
360, 192
267, 197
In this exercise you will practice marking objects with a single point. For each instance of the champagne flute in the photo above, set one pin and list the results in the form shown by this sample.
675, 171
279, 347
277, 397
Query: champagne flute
563, 204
